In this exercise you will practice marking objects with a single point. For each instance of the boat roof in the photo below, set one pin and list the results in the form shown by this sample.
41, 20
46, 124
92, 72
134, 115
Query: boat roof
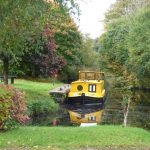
91, 75
87, 81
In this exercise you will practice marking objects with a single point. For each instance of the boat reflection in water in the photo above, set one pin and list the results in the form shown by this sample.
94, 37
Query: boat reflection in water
84, 114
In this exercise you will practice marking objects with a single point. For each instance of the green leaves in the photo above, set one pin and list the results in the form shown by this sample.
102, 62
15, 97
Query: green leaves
89, 53
20, 20
125, 7
125, 46
22, 24
139, 43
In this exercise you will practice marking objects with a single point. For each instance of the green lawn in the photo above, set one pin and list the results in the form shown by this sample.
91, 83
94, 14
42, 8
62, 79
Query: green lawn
35, 91
70, 138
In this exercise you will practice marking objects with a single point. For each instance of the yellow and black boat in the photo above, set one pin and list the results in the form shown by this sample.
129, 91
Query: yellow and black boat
86, 97
88, 89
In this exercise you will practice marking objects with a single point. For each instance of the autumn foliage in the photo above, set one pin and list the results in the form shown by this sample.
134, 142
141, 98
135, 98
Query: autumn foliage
12, 107
45, 62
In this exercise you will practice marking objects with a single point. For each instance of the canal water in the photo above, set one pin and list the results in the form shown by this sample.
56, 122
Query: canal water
139, 112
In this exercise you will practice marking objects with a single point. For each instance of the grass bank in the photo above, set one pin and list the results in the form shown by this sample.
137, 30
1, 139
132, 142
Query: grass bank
35, 91
70, 138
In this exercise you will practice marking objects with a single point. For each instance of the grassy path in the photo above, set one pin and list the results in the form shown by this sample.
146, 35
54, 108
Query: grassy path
70, 138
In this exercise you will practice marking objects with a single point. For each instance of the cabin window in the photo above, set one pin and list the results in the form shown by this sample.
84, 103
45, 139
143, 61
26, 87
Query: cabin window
92, 88
80, 87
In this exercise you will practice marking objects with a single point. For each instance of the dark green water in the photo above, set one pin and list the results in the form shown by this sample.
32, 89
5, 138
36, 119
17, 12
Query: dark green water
139, 112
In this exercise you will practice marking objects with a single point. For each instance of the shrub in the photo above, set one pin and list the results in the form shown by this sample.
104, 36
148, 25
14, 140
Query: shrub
41, 112
12, 107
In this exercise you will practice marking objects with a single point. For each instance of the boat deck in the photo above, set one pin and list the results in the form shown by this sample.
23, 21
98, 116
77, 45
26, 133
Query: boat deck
62, 89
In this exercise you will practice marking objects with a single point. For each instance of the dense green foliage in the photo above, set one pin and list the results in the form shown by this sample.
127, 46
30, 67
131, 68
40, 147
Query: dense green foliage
125, 57
44, 59
20, 21
67, 138
68, 41
125, 7
59, 46
47, 37
125, 46
89, 54
47, 43
12, 107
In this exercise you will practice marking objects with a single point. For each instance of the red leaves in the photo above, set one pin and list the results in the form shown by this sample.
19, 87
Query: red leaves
48, 33
13, 107
45, 62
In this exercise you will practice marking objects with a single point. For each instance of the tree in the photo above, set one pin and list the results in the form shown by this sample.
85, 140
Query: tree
68, 41
44, 60
57, 46
139, 46
71, 6
89, 54
20, 21
126, 106
125, 48
113, 51
125, 7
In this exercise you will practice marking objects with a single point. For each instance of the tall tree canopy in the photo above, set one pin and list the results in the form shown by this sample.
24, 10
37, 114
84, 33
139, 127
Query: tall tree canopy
19, 21
59, 46
125, 46
40, 33
89, 54
125, 7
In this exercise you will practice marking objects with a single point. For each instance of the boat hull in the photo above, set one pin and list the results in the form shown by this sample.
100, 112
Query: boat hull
85, 100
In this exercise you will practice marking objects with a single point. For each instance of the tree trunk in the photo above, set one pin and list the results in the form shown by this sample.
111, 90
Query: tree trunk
6, 65
126, 112
125, 119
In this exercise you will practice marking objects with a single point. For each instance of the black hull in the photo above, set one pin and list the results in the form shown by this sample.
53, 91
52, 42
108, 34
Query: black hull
85, 100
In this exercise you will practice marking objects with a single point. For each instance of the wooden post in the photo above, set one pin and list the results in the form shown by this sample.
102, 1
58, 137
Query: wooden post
6, 65
12, 80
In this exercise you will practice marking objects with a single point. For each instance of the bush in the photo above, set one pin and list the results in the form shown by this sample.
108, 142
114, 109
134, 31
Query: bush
45, 107
12, 107
41, 112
